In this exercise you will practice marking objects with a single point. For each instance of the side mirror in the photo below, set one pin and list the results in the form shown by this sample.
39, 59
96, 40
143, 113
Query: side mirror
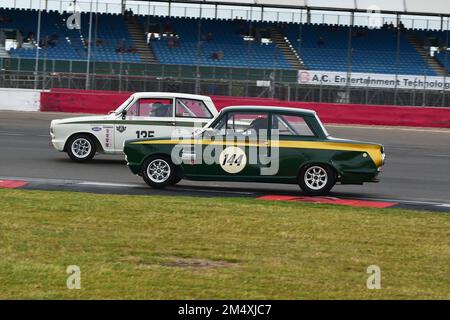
124, 114
208, 132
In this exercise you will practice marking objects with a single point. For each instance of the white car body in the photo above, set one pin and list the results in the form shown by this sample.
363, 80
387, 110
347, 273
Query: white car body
111, 131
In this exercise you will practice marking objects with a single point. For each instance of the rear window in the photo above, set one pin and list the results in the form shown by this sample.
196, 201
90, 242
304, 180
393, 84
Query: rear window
291, 125
190, 108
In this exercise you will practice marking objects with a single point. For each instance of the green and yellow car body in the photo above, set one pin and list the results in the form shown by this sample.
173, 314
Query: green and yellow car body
354, 162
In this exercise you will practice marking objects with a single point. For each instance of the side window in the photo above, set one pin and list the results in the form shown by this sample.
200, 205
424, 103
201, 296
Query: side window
244, 123
151, 108
291, 125
189, 108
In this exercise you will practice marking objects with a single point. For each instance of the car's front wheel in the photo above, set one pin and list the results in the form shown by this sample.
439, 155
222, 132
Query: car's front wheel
316, 179
159, 172
81, 148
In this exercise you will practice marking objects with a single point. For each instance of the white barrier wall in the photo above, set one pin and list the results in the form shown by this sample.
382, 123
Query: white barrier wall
20, 99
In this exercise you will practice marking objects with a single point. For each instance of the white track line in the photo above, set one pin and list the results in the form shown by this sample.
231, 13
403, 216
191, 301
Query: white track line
112, 184
11, 134
215, 191
438, 204
107, 184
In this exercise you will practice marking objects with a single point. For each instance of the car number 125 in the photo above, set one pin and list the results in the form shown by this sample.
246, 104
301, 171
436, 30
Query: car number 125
145, 134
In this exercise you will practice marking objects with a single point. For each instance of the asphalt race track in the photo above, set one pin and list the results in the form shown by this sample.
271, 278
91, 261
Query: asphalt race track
417, 170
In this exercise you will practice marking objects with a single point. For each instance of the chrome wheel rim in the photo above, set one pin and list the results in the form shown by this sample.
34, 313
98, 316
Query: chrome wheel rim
158, 171
81, 148
316, 178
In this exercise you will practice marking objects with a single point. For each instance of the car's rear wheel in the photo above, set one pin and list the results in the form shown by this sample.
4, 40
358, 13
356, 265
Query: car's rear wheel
159, 172
176, 180
316, 179
81, 148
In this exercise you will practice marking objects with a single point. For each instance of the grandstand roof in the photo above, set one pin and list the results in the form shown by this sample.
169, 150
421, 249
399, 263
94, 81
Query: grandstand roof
416, 7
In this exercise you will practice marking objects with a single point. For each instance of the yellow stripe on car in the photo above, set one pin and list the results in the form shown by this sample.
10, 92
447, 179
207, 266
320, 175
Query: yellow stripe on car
372, 150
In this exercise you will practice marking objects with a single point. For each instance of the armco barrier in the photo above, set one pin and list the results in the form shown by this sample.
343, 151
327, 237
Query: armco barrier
100, 102
81, 101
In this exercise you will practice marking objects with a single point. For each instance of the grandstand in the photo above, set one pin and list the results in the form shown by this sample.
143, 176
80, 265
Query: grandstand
225, 36
238, 47
373, 50
68, 44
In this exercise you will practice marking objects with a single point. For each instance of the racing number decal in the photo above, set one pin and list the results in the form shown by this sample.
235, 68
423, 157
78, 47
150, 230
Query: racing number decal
233, 159
145, 134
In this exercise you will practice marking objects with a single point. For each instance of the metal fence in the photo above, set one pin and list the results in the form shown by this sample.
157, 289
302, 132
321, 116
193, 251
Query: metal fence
215, 85
43, 73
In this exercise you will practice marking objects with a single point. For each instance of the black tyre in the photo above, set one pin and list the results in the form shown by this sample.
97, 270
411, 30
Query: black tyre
159, 172
81, 148
176, 180
316, 179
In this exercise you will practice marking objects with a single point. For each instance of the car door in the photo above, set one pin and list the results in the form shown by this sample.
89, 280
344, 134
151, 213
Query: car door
291, 131
238, 139
145, 118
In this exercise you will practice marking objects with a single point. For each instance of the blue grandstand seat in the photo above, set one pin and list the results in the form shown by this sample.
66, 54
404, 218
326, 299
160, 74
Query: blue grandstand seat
70, 44
374, 50
226, 38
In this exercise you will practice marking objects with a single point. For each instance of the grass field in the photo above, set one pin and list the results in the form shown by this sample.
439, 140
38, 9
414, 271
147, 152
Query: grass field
220, 248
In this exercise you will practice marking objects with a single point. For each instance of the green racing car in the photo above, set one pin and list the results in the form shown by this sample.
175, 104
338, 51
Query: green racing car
257, 144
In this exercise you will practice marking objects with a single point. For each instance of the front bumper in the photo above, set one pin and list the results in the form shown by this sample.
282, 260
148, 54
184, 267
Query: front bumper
58, 144
359, 177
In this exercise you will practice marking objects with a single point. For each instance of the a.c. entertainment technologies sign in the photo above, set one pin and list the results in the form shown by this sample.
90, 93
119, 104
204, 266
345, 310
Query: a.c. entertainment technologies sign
373, 80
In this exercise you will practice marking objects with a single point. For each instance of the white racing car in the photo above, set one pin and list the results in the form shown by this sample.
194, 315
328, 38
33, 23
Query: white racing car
142, 115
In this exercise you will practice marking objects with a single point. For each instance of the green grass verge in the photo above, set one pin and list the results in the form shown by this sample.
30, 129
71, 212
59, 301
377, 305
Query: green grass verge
221, 248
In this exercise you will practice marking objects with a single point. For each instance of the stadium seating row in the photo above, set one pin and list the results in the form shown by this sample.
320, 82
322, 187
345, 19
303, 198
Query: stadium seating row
321, 47
61, 43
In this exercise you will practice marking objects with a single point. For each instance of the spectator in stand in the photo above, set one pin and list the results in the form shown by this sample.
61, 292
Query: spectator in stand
19, 40
171, 42
167, 27
120, 48
242, 28
321, 41
209, 37
5, 19
99, 42
43, 42
128, 14
53, 39
30, 36
215, 55
150, 36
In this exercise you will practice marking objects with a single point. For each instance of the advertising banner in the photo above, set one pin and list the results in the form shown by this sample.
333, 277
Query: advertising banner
372, 80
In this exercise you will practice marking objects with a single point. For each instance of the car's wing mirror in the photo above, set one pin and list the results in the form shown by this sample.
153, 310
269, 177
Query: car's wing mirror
124, 114
208, 132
